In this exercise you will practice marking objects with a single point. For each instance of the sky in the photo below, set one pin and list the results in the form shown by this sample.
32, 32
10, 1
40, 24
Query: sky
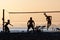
19, 20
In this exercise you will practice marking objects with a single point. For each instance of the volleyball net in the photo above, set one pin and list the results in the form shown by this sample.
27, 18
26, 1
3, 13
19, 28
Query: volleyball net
20, 19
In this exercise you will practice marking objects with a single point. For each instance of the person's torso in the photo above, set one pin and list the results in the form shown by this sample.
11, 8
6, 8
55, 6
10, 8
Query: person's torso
31, 22
6, 24
48, 18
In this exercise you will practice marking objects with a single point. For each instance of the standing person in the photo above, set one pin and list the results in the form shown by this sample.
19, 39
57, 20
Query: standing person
6, 29
48, 19
30, 24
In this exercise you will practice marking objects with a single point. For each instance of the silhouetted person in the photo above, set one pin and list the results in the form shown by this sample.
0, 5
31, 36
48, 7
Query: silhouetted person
48, 19
6, 29
30, 24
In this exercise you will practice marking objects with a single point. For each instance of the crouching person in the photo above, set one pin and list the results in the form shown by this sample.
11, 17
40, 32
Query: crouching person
30, 24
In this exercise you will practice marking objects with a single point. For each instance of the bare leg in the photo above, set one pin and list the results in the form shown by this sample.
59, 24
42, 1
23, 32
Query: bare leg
33, 28
48, 25
28, 28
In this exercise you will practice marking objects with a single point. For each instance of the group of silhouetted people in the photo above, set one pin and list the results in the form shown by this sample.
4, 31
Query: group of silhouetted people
30, 23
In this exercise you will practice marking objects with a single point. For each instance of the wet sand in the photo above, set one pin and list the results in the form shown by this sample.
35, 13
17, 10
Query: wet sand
30, 36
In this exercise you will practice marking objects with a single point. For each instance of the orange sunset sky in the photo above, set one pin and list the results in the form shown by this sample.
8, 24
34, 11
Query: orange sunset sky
20, 20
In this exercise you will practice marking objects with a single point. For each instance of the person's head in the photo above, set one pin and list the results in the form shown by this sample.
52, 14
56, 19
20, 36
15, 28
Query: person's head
8, 21
30, 18
44, 13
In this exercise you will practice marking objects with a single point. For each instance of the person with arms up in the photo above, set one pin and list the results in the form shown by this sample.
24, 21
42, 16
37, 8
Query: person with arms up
48, 19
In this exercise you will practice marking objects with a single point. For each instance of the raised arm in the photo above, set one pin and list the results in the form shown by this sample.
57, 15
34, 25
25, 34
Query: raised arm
45, 14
